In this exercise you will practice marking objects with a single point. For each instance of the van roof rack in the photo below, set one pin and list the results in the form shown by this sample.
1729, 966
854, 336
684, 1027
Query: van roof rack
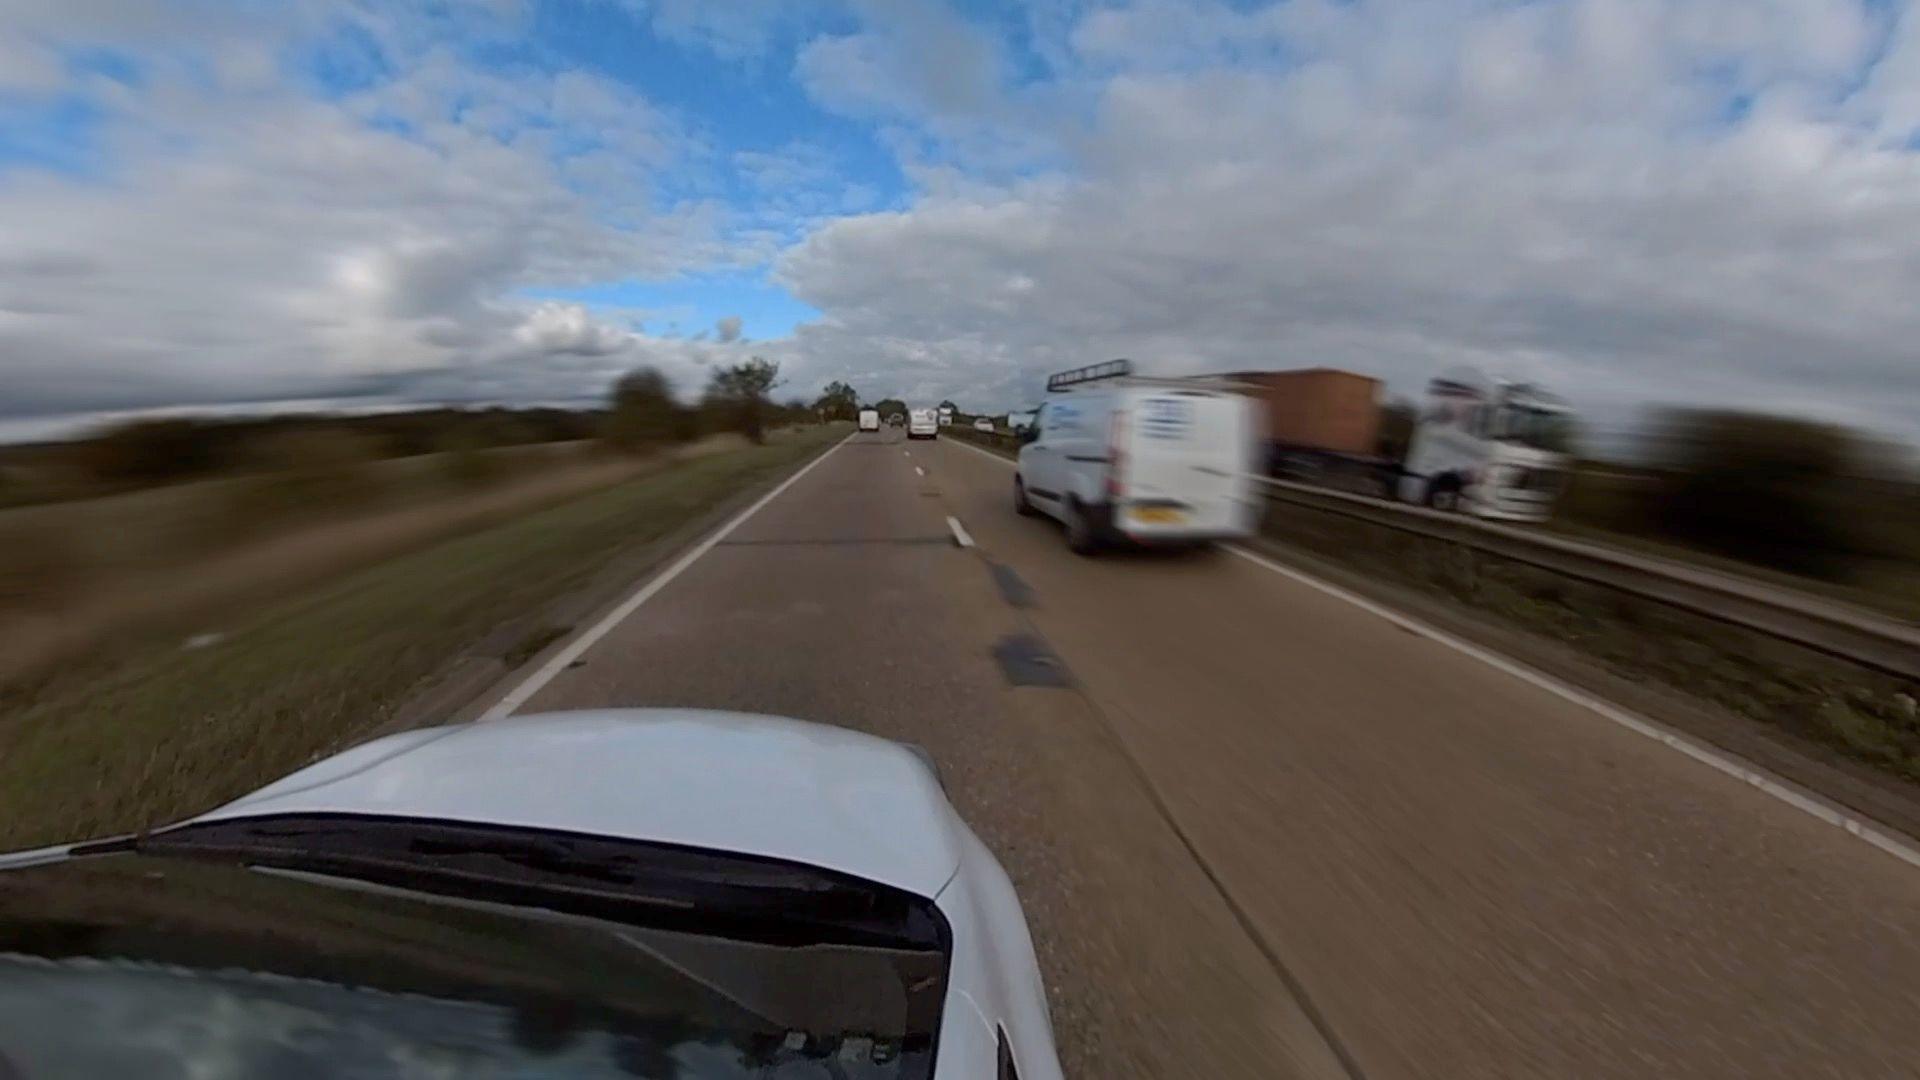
1111, 369
1123, 370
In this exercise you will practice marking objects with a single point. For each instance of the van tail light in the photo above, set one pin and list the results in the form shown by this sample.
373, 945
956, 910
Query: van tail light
1116, 457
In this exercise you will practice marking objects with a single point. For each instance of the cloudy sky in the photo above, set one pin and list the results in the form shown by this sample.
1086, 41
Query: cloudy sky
237, 205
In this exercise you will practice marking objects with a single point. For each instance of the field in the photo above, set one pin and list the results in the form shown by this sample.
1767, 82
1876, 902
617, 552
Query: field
139, 735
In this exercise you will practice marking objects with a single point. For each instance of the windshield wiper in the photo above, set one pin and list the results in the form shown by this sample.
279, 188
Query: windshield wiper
661, 885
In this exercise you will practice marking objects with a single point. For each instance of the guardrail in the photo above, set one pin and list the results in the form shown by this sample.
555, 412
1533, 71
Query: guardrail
1827, 626
1837, 629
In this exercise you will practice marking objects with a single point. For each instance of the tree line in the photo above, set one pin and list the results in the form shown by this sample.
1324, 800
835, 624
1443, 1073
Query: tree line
1796, 495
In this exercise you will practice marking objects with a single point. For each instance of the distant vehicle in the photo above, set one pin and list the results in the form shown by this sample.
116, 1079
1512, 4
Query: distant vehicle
1487, 447
946, 415
923, 424
869, 420
704, 889
1020, 421
1152, 461
983, 424
895, 419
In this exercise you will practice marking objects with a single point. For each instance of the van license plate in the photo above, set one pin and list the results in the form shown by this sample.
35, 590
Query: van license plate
1158, 515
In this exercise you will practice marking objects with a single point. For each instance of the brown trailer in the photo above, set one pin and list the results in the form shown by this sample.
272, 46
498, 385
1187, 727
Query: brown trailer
1318, 409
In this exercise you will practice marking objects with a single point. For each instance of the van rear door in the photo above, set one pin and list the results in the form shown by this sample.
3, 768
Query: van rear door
1185, 460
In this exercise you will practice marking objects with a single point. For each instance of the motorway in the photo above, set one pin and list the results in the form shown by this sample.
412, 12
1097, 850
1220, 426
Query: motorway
1263, 832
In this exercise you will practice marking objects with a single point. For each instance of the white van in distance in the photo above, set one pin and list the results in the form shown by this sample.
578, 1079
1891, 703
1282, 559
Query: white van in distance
923, 424
1151, 461
869, 419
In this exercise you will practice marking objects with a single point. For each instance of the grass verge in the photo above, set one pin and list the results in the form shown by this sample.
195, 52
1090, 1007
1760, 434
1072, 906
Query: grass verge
1860, 714
112, 746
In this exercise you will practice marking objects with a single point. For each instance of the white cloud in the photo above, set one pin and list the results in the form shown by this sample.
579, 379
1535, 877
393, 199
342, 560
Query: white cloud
730, 29
1635, 200
263, 245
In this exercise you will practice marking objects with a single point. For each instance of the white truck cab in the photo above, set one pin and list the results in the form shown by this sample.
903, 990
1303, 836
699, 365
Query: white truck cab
1488, 447
1151, 461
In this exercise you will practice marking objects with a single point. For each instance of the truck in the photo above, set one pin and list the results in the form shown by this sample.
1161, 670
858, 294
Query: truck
1488, 447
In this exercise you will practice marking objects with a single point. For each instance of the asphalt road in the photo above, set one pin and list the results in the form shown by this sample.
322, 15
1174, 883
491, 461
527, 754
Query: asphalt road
1262, 832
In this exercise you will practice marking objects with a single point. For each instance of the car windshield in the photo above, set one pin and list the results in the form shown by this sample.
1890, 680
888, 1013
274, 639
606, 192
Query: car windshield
230, 959
1541, 429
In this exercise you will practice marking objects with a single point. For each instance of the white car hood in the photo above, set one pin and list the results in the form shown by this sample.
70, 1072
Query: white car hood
759, 785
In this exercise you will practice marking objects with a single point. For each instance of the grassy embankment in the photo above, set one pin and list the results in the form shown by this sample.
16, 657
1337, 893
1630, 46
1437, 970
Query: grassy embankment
136, 738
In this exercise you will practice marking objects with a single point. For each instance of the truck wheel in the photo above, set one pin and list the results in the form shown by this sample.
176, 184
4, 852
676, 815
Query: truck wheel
1081, 539
1444, 494
1020, 504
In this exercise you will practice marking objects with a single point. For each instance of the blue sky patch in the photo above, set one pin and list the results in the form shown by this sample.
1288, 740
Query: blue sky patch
60, 135
685, 307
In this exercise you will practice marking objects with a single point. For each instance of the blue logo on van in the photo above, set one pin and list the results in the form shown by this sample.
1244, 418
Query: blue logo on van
1165, 418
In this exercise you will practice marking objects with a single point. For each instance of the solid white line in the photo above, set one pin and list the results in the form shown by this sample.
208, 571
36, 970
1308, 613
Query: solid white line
1720, 761
1008, 462
959, 532
519, 695
1898, 846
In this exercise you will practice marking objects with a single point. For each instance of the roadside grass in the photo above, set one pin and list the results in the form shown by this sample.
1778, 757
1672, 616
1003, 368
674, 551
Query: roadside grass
134, 741
1609, 507
1862, 714
1890, 586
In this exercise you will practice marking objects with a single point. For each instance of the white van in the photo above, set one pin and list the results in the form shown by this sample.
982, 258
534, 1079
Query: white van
923, 424
869, 419
1152, 461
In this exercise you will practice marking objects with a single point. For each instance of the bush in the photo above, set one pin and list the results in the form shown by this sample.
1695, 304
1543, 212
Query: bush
739, 396
644, 413
1766, 489
153, 451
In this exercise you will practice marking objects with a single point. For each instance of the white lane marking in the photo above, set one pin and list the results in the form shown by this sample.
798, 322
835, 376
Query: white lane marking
919, 471
1718, 760
519, 695
1713, 758
959, 532
1008, 462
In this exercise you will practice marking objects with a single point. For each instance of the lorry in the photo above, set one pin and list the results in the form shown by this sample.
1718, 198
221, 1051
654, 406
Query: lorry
946, 416
1483, 446
869, 419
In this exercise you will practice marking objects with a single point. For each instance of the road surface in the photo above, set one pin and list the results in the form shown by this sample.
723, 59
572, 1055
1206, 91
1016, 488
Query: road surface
1261, 832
